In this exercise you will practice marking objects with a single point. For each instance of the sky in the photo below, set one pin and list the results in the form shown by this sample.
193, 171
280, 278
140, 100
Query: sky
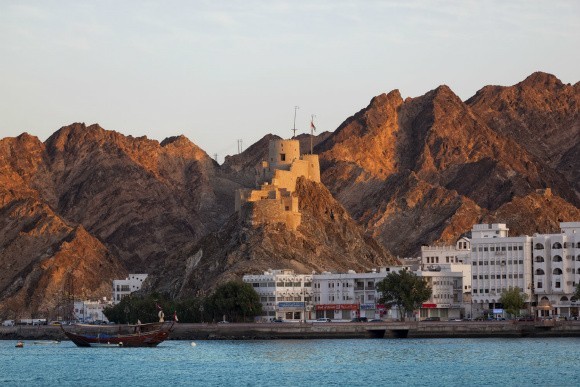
222, 71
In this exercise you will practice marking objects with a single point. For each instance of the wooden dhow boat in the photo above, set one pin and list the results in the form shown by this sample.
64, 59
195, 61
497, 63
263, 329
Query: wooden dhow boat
137, 335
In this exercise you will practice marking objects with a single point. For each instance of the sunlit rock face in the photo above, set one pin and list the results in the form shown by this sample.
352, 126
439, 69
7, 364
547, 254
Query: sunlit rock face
423, 170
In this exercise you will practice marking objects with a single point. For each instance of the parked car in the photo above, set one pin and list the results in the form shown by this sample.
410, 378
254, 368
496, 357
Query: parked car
323, 319
278, 320
376, 320
223, 322
433, 319
8, 323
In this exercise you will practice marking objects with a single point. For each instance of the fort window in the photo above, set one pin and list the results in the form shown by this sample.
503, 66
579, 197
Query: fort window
282, 156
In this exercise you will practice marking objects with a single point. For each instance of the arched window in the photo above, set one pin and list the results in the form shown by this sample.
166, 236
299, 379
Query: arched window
578, 257
557, 258
557, 271
539, 246
540, 272
541, 259
545, 298
578, 245
564, 298
557, 245
578, 272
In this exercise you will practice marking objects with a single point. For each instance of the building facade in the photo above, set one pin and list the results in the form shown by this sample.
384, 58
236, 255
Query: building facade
556, 269
284, 295
122, 288
498, 262
91, 311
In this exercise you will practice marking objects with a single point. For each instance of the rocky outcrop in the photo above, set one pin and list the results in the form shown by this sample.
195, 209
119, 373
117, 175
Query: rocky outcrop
541, 114
327, 239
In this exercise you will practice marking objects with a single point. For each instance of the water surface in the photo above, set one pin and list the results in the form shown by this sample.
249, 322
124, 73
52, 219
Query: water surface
420, 362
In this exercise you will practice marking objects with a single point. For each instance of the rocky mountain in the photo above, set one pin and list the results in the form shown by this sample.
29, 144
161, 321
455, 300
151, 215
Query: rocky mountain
89, 205
423, 170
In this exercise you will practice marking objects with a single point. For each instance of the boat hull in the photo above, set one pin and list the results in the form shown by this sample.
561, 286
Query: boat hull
148, 338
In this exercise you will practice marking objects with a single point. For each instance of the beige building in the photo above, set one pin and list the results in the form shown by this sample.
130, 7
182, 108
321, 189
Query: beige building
275, 200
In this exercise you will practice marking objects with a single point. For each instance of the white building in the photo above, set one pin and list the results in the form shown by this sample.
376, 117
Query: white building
446, 301
449, 259
91, 311
283, 294
122, 288
499, 262
344, 296
556, 268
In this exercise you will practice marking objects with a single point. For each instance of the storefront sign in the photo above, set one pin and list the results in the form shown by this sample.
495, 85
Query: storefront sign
296, 304
337, 307
367, 306
429, 306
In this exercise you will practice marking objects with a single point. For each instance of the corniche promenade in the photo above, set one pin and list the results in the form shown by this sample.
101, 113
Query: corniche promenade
332, 330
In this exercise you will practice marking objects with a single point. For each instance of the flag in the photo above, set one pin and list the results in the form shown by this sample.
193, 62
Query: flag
175, 316
312, 125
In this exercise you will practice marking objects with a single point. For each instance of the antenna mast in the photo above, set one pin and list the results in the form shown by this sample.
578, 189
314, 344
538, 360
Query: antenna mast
294, 130
312, 129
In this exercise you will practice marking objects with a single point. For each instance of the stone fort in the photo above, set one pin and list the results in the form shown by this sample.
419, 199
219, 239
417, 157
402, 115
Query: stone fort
275, 201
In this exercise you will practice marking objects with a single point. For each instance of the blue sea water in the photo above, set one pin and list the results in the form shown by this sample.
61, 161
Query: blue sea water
384, 362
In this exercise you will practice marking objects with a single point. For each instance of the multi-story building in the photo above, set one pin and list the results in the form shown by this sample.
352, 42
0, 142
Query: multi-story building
556, 268
452, 259
122, 288
283, 294
498, 262
446, 301
344, 296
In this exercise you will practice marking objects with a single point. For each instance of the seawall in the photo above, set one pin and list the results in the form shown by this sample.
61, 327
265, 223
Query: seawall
273, 331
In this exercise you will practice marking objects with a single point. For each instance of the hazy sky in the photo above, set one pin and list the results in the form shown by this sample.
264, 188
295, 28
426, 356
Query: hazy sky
219, 71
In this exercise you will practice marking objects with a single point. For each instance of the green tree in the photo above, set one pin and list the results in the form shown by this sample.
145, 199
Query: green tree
405, 290
577, 293
513, 300
236, 300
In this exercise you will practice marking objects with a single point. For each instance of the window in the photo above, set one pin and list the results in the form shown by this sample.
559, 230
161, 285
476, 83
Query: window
557, 258
539, 246
557, 271
539, 285
282, 156
557, 284
557, 245
539, 259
